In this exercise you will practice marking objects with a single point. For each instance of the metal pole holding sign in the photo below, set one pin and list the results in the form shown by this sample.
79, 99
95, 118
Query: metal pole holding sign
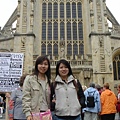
7, 105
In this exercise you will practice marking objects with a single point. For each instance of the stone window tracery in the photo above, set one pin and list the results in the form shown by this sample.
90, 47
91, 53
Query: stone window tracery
62, 20
116, 67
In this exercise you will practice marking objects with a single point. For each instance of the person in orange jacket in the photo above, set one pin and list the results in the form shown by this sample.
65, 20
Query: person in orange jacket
108, 103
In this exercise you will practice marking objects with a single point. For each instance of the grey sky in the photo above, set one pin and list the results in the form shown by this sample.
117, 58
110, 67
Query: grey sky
8, 6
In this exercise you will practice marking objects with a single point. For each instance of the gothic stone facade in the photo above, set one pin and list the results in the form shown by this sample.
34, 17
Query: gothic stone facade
76, 30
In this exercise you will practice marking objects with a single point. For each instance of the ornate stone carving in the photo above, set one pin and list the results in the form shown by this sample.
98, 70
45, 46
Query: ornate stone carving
101, 40
87, 74
25, 19
99, 18
108, 52
25, 4
95, 51
23, 40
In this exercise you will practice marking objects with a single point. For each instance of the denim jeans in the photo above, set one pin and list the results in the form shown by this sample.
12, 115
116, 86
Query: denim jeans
68, 118
54, 117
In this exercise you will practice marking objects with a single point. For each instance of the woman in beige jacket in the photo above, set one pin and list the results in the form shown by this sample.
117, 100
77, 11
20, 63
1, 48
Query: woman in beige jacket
36, 88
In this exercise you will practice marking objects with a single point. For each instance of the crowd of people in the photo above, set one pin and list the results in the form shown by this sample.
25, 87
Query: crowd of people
64, 98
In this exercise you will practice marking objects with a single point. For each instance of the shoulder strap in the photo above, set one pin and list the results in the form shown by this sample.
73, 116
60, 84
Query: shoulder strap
91, 92
53, 86
80, 93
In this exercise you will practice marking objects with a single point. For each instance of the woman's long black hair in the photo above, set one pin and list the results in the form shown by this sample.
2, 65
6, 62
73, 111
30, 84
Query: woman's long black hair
39, 60
66, 63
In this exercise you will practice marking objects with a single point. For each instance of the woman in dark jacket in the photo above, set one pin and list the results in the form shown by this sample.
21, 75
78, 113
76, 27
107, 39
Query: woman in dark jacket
67, 92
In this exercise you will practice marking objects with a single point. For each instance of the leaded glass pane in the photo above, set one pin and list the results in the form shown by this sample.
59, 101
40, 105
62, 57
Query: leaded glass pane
44, 10
55, 31
43, 49
115, 72
74, 31
68, 31
68, 13
80, 31
55, 47
118, 70
49, 31
44, 31
55, 10
49, 48
49, 10
62, 30
73, 10
61, 10
81, 49
75, 49
69, 49
79, 7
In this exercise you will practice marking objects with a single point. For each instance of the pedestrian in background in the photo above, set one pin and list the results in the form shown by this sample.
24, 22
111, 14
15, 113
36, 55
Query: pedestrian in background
67, 91
15, 103
36, 89
91, 111
118, 102
82, 111
1, 106
100, 89
108, 102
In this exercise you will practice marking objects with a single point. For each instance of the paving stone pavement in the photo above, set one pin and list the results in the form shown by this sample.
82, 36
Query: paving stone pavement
3, 118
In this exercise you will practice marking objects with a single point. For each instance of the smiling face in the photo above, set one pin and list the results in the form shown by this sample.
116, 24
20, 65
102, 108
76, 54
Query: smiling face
63, 70
43, 67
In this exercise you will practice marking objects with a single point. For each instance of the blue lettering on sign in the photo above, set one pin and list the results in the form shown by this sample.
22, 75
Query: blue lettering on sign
17, 56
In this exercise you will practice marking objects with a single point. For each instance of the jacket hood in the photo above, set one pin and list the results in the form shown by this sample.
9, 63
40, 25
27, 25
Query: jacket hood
58, 79
91, 89
108, 92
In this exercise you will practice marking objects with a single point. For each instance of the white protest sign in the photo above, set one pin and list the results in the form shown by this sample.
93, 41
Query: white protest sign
11, 66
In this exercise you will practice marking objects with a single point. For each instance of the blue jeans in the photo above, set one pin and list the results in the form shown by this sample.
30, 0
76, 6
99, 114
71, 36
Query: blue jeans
54, 117
68, 118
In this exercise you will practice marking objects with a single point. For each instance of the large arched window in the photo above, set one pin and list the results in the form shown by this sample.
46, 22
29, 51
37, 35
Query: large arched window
62, 20
116, 67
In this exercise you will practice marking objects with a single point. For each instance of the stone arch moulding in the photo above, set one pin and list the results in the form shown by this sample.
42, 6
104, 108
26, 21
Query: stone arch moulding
116, 52
4, 50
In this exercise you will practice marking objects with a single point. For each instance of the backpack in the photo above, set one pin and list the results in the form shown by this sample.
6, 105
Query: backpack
90, 99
